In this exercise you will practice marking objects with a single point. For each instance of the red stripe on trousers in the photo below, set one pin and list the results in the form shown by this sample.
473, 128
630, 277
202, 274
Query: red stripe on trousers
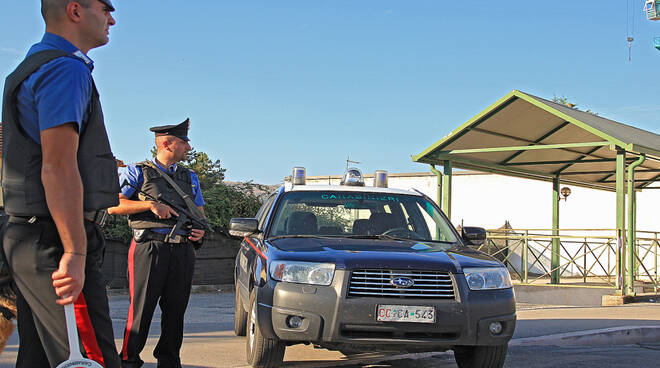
131, 291
86, 330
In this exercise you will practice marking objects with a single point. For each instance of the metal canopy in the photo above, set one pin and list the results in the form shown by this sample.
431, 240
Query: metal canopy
527, 136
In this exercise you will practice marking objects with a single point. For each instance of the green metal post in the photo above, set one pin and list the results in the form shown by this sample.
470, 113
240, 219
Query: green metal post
525, 257
632, 208
446, 189
584, 261
438, 174
655, 252
620, 218
655, 284
554, 264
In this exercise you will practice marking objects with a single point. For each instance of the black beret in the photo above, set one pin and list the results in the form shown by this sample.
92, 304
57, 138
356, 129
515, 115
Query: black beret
177, 130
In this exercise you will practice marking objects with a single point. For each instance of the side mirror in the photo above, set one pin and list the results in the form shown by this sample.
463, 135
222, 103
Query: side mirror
473, 235
242, 226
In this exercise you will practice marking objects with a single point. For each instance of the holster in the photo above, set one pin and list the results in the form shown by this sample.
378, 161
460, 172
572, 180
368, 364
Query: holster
140, 235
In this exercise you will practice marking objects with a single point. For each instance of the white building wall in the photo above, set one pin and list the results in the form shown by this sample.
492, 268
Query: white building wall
488, 200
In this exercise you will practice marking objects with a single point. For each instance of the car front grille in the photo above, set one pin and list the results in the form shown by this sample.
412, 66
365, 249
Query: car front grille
378, 283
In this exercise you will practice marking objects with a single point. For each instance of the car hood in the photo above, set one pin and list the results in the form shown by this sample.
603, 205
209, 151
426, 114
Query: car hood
349, 253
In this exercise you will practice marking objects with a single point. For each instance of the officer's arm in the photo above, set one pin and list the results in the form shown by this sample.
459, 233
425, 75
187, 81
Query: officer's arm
64, 196
128, 207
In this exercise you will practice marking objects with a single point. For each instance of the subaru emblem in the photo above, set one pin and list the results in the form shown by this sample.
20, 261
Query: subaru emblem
402, 282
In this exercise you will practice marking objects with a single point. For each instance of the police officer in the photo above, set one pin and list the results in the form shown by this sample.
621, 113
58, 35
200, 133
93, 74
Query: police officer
160, 267
58, 172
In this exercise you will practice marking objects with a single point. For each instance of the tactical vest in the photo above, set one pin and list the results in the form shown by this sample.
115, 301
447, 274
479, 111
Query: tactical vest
23, 191
155, 185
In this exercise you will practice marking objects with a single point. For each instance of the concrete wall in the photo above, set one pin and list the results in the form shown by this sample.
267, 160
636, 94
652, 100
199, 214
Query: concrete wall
214, 263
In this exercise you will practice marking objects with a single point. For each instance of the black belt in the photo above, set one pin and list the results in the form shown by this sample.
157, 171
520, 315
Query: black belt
97, 217
164, 237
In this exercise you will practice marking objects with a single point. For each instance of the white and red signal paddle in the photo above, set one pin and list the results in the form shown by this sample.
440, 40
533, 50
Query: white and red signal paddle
76, 359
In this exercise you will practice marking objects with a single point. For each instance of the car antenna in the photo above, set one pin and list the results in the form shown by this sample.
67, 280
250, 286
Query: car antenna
348, 160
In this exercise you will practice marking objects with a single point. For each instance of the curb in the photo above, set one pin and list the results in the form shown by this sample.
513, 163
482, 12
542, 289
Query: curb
625, 335
617, 300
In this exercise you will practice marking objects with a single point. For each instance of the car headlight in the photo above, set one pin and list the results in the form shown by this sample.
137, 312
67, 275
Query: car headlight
303, 272
489, 278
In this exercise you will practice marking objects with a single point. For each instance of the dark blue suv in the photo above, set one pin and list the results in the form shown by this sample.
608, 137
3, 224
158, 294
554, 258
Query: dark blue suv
361, 268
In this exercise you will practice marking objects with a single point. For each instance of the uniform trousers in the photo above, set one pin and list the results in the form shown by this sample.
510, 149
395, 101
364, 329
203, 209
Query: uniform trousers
158, 273
33, 252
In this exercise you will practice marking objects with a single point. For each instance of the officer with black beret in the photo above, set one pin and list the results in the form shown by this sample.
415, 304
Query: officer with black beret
160, 266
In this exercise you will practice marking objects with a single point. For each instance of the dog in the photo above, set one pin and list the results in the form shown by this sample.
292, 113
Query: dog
7, 314
7, 296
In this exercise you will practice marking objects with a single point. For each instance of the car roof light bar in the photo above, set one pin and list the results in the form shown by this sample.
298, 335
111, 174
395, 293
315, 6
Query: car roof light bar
353, 177
298, 176
380, 179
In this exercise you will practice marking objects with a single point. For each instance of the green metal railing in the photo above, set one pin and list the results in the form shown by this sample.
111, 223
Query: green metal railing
589, 256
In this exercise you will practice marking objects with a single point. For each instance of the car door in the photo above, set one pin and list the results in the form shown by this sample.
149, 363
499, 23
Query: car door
247, 254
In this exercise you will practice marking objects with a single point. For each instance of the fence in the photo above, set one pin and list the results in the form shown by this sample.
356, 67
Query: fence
586, 255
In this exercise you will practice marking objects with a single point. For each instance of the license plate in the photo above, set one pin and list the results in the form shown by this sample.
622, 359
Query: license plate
405, 313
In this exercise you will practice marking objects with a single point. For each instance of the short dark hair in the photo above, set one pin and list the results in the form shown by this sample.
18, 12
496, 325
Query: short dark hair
54, 8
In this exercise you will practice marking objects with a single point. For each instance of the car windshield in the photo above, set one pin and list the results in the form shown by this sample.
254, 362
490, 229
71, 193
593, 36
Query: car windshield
360, 215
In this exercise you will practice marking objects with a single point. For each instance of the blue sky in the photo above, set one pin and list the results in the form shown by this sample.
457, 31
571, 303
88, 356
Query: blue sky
269, 85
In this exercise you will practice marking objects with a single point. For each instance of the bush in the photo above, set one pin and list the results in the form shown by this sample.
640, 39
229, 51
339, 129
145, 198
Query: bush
224, 201
117, 229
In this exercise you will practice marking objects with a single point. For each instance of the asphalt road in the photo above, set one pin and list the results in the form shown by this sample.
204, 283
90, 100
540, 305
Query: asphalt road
209, 340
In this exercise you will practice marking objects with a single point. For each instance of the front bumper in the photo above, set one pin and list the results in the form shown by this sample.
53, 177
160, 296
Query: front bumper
332, 319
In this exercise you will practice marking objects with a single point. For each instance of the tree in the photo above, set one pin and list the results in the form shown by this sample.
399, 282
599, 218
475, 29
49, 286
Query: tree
564, 101
208, 172
224, 201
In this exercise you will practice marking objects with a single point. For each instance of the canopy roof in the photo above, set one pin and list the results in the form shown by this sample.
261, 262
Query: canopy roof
528, 136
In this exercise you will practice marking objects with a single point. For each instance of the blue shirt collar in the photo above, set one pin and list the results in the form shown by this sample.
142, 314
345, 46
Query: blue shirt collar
170, 170
51, 40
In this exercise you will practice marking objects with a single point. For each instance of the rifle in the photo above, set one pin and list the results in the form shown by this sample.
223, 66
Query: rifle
185, 219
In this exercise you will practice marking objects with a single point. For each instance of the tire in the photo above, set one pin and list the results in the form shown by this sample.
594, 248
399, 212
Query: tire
240, 315
480, 356
261, 352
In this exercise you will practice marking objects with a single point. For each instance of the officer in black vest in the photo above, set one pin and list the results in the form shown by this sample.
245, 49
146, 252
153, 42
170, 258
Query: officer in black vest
160, 267
58, 173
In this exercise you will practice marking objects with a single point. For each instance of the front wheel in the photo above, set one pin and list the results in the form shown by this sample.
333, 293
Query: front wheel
480, 356
261, 352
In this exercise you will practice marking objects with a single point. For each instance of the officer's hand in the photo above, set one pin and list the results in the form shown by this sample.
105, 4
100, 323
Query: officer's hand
162, 211
69, 278
196, 234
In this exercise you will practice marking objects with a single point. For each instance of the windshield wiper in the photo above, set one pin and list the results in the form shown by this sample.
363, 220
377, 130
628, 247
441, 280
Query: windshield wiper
379, 236
390, 237
295, 236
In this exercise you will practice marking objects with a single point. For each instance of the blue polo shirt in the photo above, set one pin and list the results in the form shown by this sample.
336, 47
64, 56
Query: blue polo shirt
135, 177
58, 92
